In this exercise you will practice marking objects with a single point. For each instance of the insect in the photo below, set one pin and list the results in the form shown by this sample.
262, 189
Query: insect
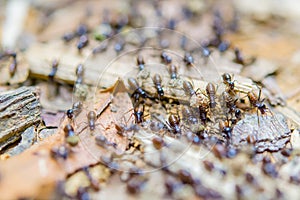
173, 71
188, 88
13, 66
138, 114
223, 46
227, 80
158, 142
240, 59
174, 123
70, 136
69, 130
121, 129
256, 102
185, 176
211, 92
79, 73
119, 46
92, 119
75, 110
101, 48
225, 129
140, 62
138, 91
83, 42
55, 64
67, 37
59, 152
205, 52
82, 194
82, 29
157, 82
203, 109
183, 42
135, 184
187, 114
171, 24
188, 58
166, 58
229, 100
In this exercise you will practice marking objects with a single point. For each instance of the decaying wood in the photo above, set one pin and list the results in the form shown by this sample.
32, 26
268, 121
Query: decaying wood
20, 109
34, 173
270, 133
21, 72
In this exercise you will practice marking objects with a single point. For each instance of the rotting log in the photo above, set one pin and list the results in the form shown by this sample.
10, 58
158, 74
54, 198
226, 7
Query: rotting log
35, 172
19, 109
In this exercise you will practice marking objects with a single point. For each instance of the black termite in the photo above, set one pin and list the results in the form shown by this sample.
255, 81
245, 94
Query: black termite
227, 80
67, 37
225, 129
55, 64
183, 42
218, 25
140, 62
223, 46
135, 184
157, 83
70, 113
203, 109
79, 73
238, 56
237, 113
164, 43
171, 185
69, 130
166, 58
209, 166
174, 123
256, 102
82, 29
92, 120
240, 59
59, 152
138, 91
173, 71
229, 100
83, 42
185, 176
139, 114
188, 58
188, 114
206, 52
101, 48
230, 103
119, 46
171, 24
121, 128
219, 151
101, 140
82, 194
13, 66
70, 136
77, 107
211, 92
188, 88
75, 110
270, 169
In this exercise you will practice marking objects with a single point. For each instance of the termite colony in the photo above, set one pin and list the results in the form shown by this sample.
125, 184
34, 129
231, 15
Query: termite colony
172, 97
